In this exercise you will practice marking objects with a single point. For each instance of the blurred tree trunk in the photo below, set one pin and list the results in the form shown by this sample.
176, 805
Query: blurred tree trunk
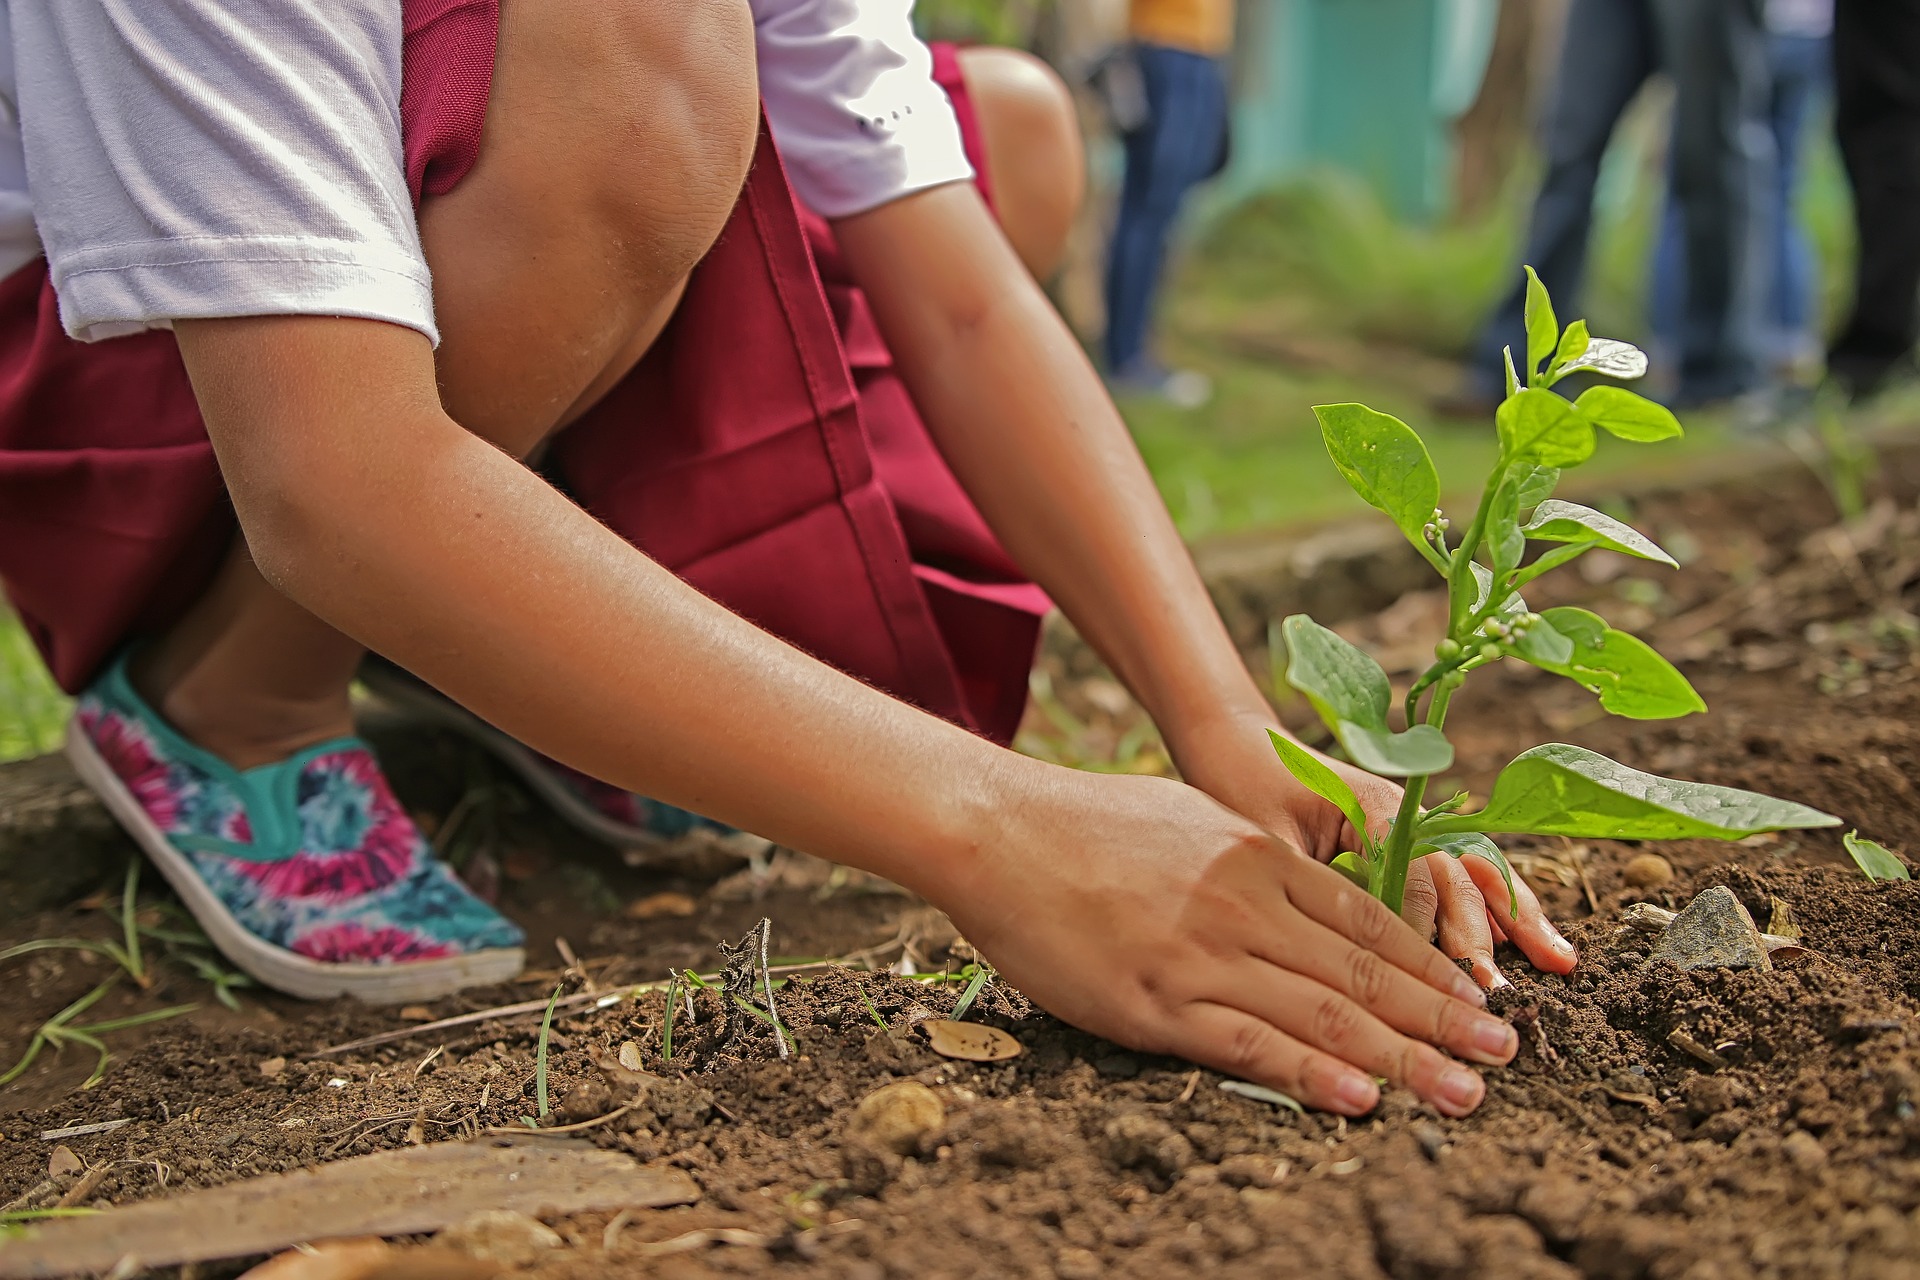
1493, 133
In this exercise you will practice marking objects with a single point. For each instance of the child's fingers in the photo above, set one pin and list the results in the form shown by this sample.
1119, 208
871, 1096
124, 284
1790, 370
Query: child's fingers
1530, 930
1323, 1018
1248, 1048
1464, 930
1328, 897
1396, 999
1421, 906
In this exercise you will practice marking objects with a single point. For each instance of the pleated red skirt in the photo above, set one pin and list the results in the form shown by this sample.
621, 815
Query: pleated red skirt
765, 450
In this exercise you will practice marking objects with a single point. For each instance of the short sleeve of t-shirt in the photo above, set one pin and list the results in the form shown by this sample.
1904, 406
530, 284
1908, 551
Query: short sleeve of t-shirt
200, 158
851, 99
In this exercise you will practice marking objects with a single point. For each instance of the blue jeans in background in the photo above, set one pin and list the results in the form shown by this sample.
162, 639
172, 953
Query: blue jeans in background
1802, 75
1182, 143
1715, 50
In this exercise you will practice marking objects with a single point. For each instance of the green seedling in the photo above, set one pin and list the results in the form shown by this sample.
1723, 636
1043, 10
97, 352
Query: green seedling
1875, 860
59, 1031
666, 1025
978, 975
873, 1010
1553, 789
540, 1054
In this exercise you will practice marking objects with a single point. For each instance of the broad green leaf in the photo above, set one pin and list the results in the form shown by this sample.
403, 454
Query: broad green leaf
1535, 483
1543, 328
1483, 584
1471, 844
1351, 693
1561, 790
1540, 426
1353, 868
1573, 345
1542, 645
1420, 750
1625, 672
1317, 777
1385, 462
1610, 357
1343, 682
1875, 860
1629, 416
1557, 521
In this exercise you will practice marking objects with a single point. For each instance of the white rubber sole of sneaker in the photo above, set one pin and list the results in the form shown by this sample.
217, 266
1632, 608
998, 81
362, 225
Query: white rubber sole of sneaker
642, 848
277, 967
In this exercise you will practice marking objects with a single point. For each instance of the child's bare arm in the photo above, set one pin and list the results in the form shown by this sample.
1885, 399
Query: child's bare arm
1135, 907
1024, 421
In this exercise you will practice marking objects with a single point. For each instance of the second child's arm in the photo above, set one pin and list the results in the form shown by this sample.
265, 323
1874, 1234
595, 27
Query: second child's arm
1024, 421
1135, 907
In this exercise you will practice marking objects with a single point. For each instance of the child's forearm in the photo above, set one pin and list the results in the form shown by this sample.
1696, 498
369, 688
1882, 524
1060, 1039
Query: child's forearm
1025, 423
397, 526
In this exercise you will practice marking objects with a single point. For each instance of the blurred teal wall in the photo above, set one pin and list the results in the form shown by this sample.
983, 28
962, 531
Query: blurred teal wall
1367, 86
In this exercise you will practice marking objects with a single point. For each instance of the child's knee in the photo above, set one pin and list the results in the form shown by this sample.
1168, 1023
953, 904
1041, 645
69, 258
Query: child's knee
1035, 159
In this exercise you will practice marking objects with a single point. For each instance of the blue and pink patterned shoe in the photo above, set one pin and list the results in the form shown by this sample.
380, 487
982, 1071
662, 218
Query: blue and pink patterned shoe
647, 832
307, 874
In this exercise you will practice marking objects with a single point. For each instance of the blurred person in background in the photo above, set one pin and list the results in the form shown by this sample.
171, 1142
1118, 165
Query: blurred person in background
1178, 47
1800, 59
1876, 60
1716, 53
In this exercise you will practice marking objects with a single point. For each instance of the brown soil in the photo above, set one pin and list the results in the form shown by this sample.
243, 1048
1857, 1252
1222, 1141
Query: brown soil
1609, 1149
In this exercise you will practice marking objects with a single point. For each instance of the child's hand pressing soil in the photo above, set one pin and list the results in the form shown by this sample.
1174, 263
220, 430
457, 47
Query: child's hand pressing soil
1142, 910
1463, 901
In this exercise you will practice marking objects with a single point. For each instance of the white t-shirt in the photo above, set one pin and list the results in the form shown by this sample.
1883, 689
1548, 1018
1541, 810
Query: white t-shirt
198, 158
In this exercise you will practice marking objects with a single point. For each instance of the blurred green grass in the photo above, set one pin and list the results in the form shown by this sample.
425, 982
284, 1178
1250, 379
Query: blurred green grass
33, 712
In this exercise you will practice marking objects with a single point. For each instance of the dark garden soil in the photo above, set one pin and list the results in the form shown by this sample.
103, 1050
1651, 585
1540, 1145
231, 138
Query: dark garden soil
1656, 1124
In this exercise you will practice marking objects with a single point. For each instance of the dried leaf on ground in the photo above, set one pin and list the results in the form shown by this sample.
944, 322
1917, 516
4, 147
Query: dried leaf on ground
969, 1041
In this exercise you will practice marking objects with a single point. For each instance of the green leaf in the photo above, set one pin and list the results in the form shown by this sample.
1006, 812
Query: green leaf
1876, 861
1542, 645
1561, 790
1540, 426
1342, 682
1513, 379
1609, 357
1506, 545
1420, 750
1624, 671
1385, 462
1472, 844
1629, 416
1543, 327
1351, 693
1354, 868
1573, 345
1557, 521
1315, 775
1535, 483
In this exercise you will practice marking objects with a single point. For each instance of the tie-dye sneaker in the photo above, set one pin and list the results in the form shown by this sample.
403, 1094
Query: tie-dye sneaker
307, 874
646, 831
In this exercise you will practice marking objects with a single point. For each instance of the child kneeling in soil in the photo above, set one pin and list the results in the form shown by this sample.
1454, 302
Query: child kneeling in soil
803, 463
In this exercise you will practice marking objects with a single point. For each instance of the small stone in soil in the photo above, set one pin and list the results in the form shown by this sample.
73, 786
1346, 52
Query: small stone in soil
1714, 932
1647, 871
1804, 1150
898, 1117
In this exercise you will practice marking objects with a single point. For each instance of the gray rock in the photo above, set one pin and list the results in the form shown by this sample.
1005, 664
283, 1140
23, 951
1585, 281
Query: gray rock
1714, 932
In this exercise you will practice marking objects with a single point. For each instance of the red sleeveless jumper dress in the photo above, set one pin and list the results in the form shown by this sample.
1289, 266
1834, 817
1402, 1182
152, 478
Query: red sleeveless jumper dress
764, 450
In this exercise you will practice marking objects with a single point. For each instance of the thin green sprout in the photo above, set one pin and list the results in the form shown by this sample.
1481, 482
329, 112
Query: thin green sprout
982, 974
540, 1054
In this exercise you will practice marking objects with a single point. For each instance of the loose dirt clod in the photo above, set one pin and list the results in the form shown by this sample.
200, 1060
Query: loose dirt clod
899, 1117
1714, 932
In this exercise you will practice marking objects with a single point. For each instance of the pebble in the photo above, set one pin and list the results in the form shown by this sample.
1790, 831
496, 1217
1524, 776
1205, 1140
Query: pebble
1647, 871
273, 1068
502, 1236
1804, 1150
1714, 932
897, 1117
1078, 1264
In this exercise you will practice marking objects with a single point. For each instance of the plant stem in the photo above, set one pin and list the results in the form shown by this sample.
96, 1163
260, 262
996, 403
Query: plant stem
1398, 855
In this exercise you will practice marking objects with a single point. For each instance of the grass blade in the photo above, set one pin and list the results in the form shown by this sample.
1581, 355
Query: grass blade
982, 975
540, 1054
130, 924
666, 1027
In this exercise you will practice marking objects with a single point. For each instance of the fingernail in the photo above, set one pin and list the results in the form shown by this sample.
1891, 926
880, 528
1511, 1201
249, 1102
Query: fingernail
1495, 1038
1465, 988
1559, 943
1357, 1094
1461, 1089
